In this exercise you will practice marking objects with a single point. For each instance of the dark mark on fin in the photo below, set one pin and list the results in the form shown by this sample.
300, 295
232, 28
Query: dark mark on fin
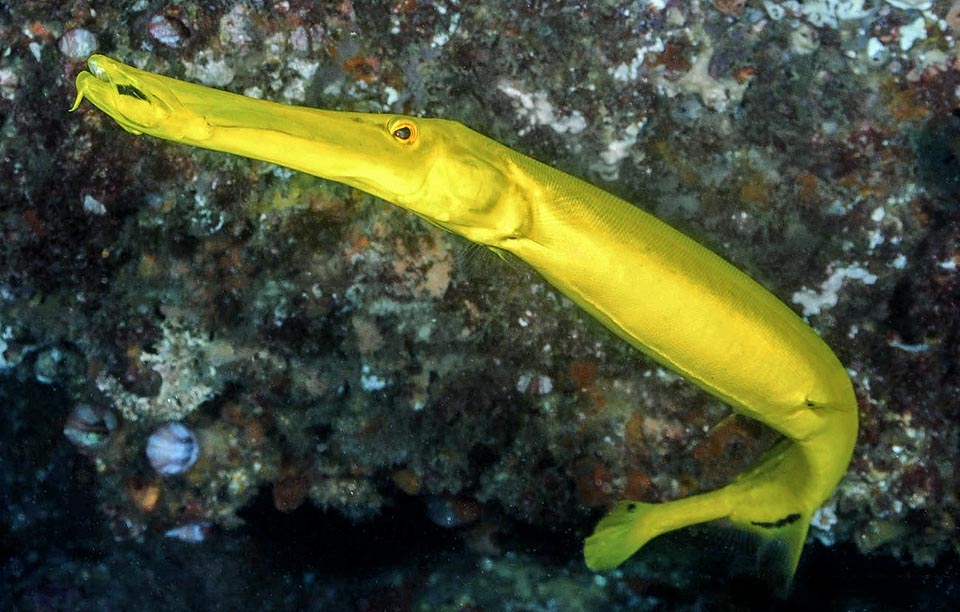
790, 518
133, 92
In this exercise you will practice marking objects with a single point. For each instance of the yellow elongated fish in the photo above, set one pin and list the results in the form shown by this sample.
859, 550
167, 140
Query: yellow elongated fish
657, 289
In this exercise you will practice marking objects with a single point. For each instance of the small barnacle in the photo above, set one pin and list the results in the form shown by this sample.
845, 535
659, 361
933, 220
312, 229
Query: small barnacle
191, 532
167, 30
90, 427
78, 44
452, 512
172, 449
534, 384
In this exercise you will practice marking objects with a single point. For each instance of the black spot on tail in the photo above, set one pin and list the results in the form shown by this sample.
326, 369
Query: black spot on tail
790, 518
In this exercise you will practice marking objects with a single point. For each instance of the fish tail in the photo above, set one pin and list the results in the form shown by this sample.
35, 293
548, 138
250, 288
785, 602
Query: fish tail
763, 501
630, 525
781, 544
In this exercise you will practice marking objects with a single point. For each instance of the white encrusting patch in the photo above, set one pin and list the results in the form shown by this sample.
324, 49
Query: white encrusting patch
537, 110
827, 297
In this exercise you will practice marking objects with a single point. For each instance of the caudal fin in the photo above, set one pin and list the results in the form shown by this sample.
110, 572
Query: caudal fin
781, 544
630, 525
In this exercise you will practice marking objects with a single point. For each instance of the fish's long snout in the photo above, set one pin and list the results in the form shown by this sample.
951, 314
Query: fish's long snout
95, 70
140, 102
354, 148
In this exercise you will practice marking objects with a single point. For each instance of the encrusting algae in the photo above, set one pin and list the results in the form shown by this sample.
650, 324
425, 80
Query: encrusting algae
658, 290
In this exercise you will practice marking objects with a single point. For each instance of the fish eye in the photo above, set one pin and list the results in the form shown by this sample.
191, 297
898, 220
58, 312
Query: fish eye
405, 132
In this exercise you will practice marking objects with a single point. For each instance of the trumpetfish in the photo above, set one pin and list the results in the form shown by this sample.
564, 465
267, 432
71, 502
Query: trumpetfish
657, 289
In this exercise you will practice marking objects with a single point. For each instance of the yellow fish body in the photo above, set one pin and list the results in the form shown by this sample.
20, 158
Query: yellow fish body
657, 289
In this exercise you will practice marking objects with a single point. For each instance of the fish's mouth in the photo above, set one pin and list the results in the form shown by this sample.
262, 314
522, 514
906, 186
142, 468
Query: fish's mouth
122, 92
97, 68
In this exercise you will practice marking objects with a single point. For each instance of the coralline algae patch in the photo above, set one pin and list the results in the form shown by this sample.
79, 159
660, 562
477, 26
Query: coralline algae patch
326, 350
186, 366
814, 301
